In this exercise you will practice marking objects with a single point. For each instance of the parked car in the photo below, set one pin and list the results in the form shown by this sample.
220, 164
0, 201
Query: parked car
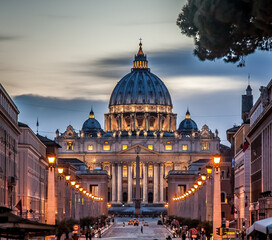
130, 222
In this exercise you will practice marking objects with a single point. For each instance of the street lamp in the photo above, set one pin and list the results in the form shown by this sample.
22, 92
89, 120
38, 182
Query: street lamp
203, 177
216, 196
68, 177
60, 171
73, 183
199, 182
216, 161
209, 170
51, 161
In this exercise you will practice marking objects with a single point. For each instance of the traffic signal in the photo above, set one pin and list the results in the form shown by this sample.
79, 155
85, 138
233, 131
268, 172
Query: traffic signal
244, 224
218, 231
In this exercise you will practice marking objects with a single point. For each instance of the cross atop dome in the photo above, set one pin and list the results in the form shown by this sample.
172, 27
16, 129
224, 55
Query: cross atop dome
91, 113
140, 61
140, 52
188, 115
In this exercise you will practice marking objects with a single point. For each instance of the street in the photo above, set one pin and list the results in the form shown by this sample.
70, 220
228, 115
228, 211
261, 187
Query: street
153, 231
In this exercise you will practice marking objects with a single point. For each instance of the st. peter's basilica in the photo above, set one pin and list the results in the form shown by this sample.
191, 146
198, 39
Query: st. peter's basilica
140, 117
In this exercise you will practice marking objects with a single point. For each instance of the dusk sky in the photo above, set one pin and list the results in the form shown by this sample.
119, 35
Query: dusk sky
59, 58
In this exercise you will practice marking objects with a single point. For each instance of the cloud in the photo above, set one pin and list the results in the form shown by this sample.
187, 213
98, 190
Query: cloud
6, 37
168, 63
57, 113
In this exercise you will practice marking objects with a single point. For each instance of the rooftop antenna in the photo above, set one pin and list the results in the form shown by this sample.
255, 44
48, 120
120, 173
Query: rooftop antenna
248, 78
37, 125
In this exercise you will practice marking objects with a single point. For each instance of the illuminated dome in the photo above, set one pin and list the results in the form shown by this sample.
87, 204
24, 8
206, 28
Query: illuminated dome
187, 126
91, 126
140, 86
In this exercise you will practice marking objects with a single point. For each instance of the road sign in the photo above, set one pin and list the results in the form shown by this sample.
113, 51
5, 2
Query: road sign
75, 227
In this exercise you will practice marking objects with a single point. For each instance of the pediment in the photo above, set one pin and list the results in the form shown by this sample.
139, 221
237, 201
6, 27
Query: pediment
143, 150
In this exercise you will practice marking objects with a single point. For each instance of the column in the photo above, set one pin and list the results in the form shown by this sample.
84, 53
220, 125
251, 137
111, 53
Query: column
51, 209
156, 183
67, 201
145, 178
73, 205
216, 202
122, 123
77, 206
209, 207
161, 182
113, 183
130, 183
119, 184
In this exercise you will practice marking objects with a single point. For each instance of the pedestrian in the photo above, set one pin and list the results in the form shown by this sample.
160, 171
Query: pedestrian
124, 224
188, 237
169, 238
183, 236
87, 234
243, 235
142, 229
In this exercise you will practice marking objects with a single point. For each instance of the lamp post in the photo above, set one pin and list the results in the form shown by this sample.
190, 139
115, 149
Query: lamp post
216, 196
209, 205
51, 209
67, 197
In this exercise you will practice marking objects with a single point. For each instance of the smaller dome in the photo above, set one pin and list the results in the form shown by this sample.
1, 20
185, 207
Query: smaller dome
187, 126
91, 126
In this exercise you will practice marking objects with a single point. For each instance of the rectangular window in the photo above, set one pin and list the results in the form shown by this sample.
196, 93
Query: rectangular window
90, 147
70, 146
124, 171
205, 146
106, 147
150, 146
124, 147
150, 171
168, 147
181, 189
184, 147
222, 174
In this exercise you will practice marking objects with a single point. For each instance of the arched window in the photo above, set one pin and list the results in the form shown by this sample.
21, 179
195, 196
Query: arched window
168, 168
107, 168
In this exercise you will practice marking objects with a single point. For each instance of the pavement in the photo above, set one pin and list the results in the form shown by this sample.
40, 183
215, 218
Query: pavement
153, 231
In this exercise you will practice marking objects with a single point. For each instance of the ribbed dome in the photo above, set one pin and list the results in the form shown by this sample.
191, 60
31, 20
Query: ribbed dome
91, 125
140, 86
188, 125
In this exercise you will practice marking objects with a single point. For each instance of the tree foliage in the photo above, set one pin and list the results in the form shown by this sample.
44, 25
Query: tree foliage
228, 29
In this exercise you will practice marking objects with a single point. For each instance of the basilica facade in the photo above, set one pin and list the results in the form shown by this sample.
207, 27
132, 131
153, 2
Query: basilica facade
140, 121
